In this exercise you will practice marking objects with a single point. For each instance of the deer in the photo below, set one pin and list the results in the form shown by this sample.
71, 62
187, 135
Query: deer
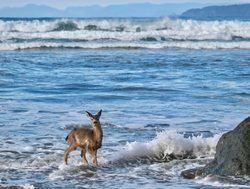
87, 139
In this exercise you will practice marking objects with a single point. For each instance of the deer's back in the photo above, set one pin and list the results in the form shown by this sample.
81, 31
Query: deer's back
80, 136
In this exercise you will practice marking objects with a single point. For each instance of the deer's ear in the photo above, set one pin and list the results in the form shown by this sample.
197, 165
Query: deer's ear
89, 114
99, 114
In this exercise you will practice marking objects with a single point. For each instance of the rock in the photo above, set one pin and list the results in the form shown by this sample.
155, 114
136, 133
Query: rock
192, 173
138, 29
91, 27
120, 28
232, 156
232, 152
66, 26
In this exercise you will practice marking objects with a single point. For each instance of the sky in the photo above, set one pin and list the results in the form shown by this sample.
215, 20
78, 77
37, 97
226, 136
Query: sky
61, 4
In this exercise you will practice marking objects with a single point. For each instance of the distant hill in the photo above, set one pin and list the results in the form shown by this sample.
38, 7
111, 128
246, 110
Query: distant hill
30, 11
130, 10
125, 10
240, 11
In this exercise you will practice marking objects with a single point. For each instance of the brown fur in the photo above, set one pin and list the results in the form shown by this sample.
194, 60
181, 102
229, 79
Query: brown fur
86, 138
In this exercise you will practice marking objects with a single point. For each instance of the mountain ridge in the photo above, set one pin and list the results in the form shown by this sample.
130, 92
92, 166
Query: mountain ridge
95, 11
236, 11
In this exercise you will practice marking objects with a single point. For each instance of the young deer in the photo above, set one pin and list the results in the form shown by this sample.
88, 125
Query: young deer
86, 138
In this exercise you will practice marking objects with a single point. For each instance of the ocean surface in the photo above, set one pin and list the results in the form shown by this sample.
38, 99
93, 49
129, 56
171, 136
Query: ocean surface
166, 87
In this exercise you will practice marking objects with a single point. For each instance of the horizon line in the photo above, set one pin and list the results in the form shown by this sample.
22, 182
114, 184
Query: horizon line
122, 4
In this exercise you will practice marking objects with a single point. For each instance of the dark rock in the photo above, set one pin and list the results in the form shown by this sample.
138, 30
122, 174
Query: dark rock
192, 173
138, 29
91, 27
149, 39
232, 152
232, 156
66, 26
120, 28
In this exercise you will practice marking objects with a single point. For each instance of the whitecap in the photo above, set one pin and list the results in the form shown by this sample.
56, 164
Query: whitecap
168, 143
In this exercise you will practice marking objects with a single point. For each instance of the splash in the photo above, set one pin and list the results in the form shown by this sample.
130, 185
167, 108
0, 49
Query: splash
168, 145
123, 33
66, 26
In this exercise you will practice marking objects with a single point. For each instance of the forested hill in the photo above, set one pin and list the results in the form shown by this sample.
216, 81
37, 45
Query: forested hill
240, 11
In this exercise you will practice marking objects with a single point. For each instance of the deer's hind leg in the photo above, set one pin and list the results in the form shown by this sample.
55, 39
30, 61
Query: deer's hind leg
83, 155
66, 153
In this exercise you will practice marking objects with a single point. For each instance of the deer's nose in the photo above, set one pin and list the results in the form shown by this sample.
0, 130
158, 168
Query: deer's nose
95, 122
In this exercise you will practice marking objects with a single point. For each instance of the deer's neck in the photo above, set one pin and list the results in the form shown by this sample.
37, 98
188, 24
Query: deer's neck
97, 130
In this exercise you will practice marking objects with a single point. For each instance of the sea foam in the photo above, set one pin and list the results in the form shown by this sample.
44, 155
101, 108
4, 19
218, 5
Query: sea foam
125, 45
123, 33
168, 143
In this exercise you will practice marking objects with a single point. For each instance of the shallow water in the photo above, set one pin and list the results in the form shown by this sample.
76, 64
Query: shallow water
155, 103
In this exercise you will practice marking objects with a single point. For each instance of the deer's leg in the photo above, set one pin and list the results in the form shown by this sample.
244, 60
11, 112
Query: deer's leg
83, 155
93, 153
66, 153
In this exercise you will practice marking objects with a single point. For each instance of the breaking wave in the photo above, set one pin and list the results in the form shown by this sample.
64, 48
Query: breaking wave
167, 146
66, 26
187, 45
123, 33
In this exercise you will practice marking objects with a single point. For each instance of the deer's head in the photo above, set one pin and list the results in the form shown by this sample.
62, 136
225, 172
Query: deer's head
94, 118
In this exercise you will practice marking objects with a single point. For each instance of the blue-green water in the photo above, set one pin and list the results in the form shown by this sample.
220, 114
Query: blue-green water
155, 102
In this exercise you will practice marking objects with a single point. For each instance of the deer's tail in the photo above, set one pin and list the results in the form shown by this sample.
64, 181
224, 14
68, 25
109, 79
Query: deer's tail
67, 137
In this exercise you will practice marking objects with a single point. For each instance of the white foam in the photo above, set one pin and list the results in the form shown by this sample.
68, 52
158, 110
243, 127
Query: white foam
173, 27
169, 142
226, 183
27, 148
35, 161
60, 173
189, 45
28, 186
75, 166
178, 33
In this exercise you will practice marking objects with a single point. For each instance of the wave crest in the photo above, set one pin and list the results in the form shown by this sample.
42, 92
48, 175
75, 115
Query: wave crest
124, 33
66, 26
168, 145
123, 45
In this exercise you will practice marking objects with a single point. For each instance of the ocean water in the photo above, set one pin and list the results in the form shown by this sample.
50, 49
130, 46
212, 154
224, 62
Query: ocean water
16, 34
166, 87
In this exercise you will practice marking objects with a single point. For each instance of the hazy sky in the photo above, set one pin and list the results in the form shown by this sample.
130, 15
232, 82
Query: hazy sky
65, 3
